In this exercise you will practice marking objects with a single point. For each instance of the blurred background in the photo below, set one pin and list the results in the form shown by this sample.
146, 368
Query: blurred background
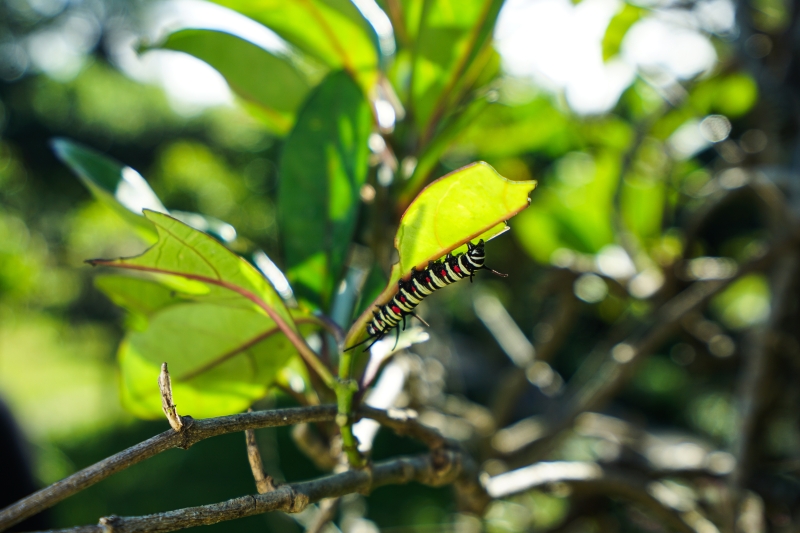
664, 137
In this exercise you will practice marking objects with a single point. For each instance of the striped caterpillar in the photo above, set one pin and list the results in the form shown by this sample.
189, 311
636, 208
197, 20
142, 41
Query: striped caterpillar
423, 283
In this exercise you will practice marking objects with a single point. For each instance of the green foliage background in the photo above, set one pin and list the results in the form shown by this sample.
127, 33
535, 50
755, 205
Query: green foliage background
304, 116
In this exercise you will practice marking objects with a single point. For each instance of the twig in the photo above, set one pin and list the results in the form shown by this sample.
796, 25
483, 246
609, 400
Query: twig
620, 363
264, 482
586, 477
515, 382
756, 388
167, 405
193, 432
313, 447
404, 422
327, 510
438, 470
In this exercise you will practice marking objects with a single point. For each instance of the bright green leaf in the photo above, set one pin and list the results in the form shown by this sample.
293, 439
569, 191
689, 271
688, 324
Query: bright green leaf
118, 186
470, 203
405, 17
271, 82
225, 309
184, 252
324, 165
221, 359
332, 31
453, 45
136, 295
127, 193
618, 27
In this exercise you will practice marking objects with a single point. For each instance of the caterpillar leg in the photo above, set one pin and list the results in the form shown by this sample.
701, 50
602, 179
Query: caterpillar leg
396, 338
415, 315
373, 344
360, 343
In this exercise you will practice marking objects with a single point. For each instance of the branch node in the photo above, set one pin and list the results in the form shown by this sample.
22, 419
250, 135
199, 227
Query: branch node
297, 500
187, 422
107, 523
445, 464
167, 405
366, 489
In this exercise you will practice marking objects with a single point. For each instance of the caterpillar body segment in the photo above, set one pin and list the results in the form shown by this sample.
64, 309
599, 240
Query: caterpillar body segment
422, 283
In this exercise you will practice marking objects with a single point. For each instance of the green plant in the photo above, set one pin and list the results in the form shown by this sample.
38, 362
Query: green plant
365, 122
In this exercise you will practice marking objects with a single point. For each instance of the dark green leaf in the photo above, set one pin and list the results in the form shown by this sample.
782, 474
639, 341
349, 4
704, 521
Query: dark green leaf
116, 185
323, 167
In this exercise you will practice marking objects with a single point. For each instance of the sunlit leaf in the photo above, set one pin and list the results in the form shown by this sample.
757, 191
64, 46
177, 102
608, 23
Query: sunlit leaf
212, 316
324, 165
332, 31
116, 185
405, 17
450, 52
471, 203
138, 296
186, 253
618, 27
221, 359
268, 80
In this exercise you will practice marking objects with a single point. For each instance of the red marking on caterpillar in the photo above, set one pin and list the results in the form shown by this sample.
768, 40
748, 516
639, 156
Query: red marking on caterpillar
378, 330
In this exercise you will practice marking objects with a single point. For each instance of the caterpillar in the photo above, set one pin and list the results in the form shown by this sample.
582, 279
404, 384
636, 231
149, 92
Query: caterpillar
423, 283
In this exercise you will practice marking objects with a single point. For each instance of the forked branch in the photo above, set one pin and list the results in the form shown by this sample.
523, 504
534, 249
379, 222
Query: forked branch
194, 431
433, 469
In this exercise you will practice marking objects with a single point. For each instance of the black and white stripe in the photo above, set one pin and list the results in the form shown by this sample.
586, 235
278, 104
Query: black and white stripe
422, 283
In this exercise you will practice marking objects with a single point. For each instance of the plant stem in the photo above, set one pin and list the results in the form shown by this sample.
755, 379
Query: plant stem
345, 391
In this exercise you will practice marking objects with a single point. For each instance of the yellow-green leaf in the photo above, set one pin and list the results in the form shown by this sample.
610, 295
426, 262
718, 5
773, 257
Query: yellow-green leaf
473, 202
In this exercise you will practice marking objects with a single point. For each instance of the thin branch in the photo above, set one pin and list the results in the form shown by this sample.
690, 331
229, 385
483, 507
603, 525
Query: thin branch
327, 510
313, 447
264, 482
591, 478
757, 382
433, 470
193, 432
404, 422
620, 363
